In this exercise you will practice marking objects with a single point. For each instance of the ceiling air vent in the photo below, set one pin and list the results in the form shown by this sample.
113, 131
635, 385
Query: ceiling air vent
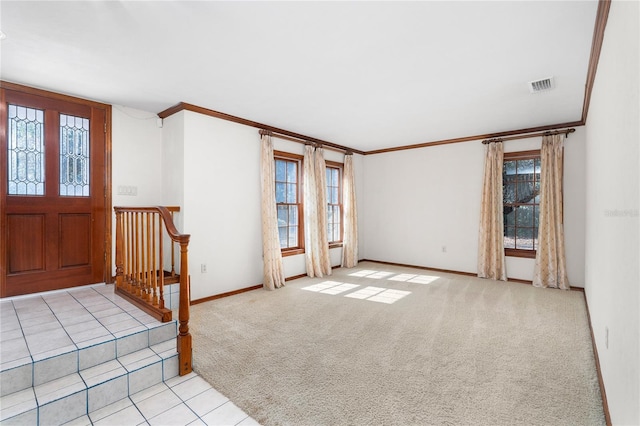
541, 85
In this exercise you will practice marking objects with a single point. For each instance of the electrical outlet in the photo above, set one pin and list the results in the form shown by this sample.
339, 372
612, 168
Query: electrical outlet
203, 268
444, 249
606, 337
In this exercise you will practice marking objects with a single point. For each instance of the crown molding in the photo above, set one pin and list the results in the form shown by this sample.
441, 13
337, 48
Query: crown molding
602, 15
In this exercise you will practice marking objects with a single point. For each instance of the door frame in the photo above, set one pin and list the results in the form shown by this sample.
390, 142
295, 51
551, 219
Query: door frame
107, 268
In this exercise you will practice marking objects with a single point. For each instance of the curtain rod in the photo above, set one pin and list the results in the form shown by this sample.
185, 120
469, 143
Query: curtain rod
532, 135
302, 141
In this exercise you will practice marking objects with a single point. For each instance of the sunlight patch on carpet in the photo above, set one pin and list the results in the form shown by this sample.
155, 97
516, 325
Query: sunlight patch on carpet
389, 296
365, 293
376, 275
418, 279
363, 273
373, 294
378, 294
423, 279
330, 287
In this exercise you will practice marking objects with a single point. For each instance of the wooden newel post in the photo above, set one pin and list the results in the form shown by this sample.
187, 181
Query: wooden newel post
184, 337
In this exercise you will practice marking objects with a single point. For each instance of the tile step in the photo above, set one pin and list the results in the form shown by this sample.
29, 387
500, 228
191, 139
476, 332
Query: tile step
39, 370
79, 393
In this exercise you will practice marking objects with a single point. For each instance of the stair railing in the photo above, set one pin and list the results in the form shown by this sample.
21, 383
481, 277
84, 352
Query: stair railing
140, 272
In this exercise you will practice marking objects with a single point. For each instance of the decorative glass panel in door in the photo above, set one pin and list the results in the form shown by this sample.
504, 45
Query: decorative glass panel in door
25, 156
74, 156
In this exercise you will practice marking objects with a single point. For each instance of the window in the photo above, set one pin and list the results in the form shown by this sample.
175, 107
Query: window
289, 202
26, 155
521, 198
334, 203
74, 156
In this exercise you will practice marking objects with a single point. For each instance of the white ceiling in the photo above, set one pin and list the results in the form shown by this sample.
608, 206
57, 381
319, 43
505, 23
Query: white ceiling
367, 75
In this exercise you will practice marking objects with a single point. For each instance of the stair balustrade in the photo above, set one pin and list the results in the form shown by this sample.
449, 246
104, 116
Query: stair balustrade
140, 271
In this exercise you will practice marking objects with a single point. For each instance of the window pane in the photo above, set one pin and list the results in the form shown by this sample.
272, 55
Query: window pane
509, 193
527, 177
509, 168
509, 216
282, 216
335, 177
281, 171
536, 215
524, 238
329, 175
535, 238
293, 215
293, 236
74, 156
280, 192
292, 175
336, 214
292, 196
524, 216
282, 232
334, 195
525, 169
509, 237
25, 147
526, 192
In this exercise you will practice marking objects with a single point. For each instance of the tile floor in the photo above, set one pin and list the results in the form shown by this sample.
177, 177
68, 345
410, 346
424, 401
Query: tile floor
186, 400
48, 325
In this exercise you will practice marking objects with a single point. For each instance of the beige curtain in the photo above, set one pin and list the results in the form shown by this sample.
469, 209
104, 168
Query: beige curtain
321, 200
271, 253
350, 216
550, 268
491, 261
316, 248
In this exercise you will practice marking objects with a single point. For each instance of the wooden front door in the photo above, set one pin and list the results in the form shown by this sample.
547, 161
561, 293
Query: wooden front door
54, 192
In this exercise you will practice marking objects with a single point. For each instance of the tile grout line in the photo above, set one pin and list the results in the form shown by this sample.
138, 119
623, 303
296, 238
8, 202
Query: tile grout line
185, 402
61, 325
25, 343
58, 307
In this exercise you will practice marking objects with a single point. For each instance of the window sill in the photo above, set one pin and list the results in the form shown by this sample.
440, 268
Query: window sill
292, 252
335, 245
529, 254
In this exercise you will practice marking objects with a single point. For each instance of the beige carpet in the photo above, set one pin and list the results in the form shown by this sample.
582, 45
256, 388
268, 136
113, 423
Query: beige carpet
449, 350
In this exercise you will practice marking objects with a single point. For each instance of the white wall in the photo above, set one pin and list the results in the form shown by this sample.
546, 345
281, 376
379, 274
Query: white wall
172, 163
612, 205
136, 155
419, 201
213, 173
211, 169
222, 204
135, 158
411, 203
